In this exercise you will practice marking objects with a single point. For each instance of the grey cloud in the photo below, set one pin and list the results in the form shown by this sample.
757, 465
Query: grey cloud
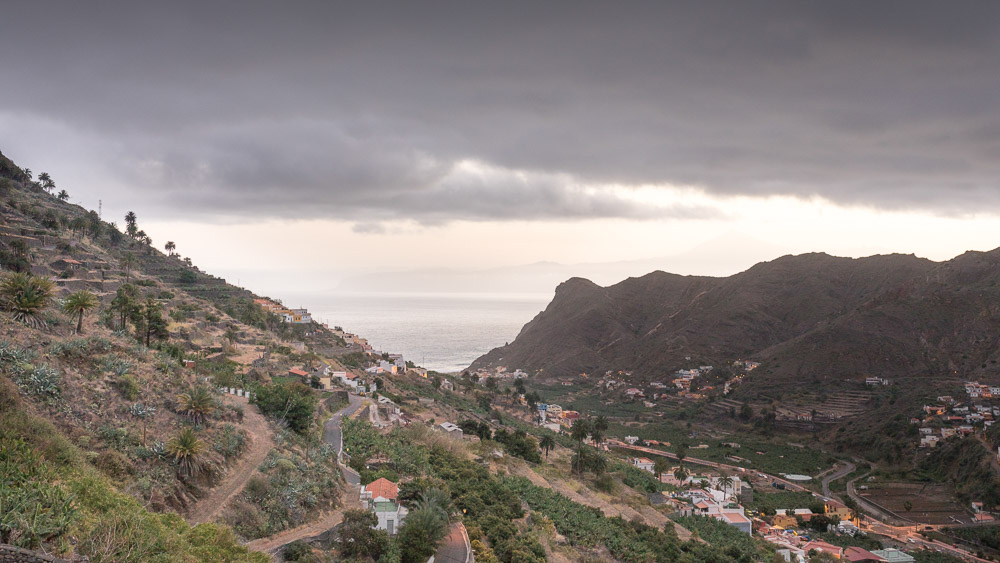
345, 110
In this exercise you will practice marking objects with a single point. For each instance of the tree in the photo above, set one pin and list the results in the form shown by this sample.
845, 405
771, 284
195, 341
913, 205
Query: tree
599, 429
547, 443
196, 404
681, 452
63, 195
26, 296
681, 473
907, 506
27, 172
291, 402
143, 412
186, 449
126, 305
580, 430
358, 537
422, 531
170, 247
127, 263
726, 481
660, 466
131, 227
231, 334
588, 459
46, 181
77, 304
153, 323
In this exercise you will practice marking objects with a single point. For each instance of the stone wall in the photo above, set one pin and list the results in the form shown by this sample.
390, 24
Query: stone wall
13, 554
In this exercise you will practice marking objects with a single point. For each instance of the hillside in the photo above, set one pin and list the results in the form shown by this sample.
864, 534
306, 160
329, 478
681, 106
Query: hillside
112, 420
651, 325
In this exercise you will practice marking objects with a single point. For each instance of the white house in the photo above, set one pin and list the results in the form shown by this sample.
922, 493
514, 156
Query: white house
381, 496
643, 463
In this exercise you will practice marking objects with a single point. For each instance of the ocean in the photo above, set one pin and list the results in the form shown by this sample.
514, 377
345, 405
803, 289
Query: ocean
441, 332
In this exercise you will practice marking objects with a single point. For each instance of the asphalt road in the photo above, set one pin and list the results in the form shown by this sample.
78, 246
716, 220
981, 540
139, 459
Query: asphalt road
333, 435
834, 476
454, 549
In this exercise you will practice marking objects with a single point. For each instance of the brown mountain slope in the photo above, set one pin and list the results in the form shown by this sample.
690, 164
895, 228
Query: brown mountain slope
652, 324
945, 322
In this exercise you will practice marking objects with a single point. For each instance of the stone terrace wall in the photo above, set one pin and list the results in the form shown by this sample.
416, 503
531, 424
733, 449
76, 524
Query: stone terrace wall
12, 554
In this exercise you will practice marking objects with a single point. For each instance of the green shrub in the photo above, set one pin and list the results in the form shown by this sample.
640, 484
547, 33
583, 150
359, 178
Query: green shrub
298, 551
34, 508
128, 386
230, 442
292, 402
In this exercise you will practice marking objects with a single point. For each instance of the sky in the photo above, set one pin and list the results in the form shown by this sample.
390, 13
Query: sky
330, 139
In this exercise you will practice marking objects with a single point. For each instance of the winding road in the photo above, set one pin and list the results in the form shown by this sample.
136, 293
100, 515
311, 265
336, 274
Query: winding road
836, 475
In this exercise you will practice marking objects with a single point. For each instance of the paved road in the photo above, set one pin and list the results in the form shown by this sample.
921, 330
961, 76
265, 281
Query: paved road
333, 435
319, 527
454, 549
839, 473
789, 485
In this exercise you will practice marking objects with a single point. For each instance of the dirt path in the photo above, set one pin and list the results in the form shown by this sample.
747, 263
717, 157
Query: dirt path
326, 520
316, 527
649, 515
210, 507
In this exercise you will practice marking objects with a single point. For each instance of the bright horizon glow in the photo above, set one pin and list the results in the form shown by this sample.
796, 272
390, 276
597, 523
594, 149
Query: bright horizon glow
294, 255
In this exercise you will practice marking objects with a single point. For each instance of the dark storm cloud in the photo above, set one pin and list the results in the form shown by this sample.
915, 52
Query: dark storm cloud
371, 111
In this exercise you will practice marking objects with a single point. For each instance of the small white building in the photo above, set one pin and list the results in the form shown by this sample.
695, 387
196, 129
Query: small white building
643, 463
451, 429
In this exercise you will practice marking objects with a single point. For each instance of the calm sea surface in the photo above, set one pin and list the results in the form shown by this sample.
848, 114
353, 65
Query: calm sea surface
442, 332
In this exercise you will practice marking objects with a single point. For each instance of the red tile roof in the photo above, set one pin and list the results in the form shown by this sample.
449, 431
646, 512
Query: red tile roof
297, 372
384, 488
858, 554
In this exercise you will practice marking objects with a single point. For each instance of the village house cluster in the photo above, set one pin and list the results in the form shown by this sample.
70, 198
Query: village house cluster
295, 316
555, 418
950, 417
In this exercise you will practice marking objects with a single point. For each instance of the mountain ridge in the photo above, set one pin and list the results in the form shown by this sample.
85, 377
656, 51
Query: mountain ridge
780, 308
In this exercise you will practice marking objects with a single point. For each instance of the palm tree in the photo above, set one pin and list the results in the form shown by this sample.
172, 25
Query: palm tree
25, 296
600, 428
46, 181
681, 473
27, 172
186, 448
130, 224
170, 246
547, 443
660, 466
63, 195
127, 263
77, 304
726, 481
196, 404
580, 430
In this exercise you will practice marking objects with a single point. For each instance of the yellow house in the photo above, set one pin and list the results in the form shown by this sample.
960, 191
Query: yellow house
840, 511
784, 521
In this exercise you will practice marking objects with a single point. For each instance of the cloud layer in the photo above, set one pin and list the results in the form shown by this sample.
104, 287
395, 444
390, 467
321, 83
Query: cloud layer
443, 111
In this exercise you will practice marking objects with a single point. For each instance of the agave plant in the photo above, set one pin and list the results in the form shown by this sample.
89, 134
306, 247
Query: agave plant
197, 404
26, 296
186, 449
